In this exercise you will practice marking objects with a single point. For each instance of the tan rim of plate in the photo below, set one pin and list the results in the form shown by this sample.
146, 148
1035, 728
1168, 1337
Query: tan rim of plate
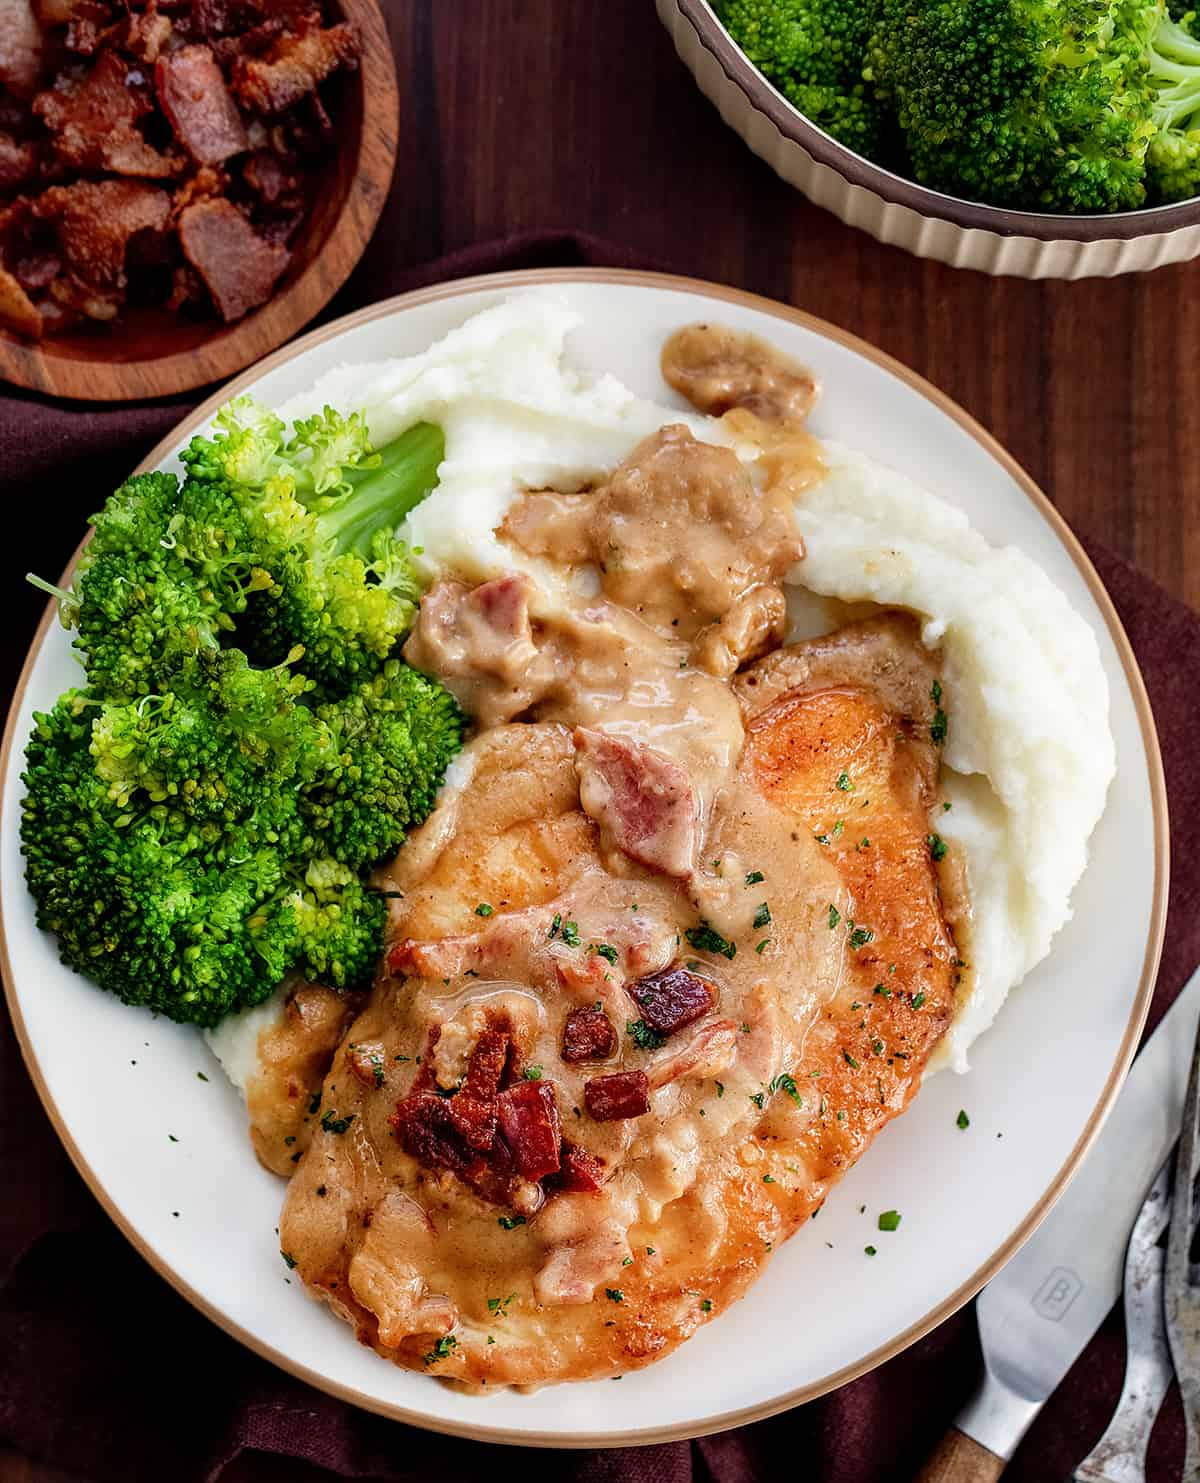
1154, 940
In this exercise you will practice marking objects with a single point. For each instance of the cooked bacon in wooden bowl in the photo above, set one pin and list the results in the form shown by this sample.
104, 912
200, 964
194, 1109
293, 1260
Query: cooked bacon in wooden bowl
183, 183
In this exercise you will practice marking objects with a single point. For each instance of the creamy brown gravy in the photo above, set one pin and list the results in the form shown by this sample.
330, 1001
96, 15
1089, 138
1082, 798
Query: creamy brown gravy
689, 546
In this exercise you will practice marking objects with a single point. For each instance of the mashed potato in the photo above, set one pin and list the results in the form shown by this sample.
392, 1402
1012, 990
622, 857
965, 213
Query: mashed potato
1029, 752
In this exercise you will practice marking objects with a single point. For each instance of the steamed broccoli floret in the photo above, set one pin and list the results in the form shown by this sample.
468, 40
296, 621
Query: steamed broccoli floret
189, 901
322, 509
1173, 159
813, 51
393, 736
1040, 106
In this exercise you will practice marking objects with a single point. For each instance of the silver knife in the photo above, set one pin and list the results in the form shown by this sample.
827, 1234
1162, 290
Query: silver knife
1037, 1314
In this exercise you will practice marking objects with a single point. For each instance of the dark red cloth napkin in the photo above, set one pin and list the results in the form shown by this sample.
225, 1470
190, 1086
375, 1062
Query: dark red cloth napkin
106, 1371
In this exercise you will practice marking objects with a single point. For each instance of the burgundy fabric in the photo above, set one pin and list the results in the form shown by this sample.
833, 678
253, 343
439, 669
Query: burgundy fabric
106, 1371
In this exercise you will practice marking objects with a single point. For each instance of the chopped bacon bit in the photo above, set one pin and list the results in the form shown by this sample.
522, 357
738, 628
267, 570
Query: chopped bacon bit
198, 105
473, 1108
88, 27
621, 1095
292, 67
96, 221
94, 122
18, 161
588, 1035
642, 800
239, 269
671, 998
531, 1127
16, 308
148, 34
423, 1124
20, 47
266, 176
581, 1172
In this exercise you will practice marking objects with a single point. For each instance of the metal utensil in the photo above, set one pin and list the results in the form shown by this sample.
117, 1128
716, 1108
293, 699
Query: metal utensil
1182, 1305
1039, 1311
1120, 1454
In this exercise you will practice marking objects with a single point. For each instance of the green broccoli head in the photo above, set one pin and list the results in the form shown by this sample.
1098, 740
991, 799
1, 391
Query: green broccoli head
322, 509
393, 736
1040, 106
1173, 159
814, 52
190, 905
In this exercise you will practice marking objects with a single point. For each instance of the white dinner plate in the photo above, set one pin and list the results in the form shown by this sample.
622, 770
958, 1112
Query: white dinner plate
116, 1082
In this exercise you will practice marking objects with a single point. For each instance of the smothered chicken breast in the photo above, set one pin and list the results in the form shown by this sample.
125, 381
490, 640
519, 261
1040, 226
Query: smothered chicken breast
668, 954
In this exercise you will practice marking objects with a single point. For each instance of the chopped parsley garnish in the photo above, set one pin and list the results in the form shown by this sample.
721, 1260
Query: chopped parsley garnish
650, 1250
760, 946
606, 950
946, 807
758, 1098
935, 693
706, 939
786, 1083
643, 1036
843, 784
441, 1350
555, 925
768, 1179
532, 1073
289, 1259
332, 1123
861, 936
483, 910
377, 1067
863, 844
838, 827
201, 1075
720, 1089
706, 1305
499, 1306
754, 877
628, 1262
835, 916
762, 916
962, 1119
173, 1138
938, 727
510, 1222
870, 1250
878, 1047
401, 1058
850, 1061
880, 989
570, 934
889, 1220
937, 846
614, 1294
821, 838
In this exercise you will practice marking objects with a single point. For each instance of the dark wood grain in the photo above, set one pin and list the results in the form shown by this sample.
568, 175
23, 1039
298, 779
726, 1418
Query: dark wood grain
522, 116
151, 352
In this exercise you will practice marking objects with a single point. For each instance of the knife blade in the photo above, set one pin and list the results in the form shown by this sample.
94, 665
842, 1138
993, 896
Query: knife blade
1037, 1314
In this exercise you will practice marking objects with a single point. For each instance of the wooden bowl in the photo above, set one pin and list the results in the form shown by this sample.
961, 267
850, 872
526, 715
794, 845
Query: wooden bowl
152, 353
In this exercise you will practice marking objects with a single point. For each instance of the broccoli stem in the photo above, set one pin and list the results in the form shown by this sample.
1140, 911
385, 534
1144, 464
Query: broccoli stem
62, 593
1175, 58
381, 497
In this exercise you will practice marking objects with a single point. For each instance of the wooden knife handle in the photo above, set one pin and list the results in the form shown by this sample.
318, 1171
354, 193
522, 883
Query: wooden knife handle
960, 1459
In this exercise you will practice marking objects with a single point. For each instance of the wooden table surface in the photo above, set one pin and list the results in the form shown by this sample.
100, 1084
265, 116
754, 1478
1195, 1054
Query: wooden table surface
573, 115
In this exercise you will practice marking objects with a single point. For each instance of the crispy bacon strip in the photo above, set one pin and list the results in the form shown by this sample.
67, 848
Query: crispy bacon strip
95, 222
239, 269
94, 122
20, 47
642, 800
473, 1108
198, 105
292, 67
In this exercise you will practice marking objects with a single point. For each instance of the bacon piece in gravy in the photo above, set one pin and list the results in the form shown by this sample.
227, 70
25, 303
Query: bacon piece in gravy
672, 998
642, 800
588, 1035
612, 1098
